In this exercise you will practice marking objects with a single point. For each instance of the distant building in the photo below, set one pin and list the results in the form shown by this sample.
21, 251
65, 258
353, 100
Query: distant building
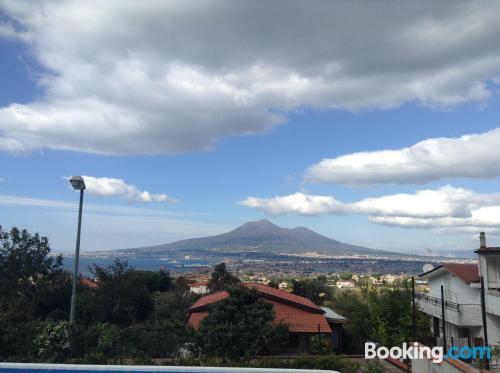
462, 297
282, 285
303, 317
199, 288
92, 284
345, 284
263, 280
390, 279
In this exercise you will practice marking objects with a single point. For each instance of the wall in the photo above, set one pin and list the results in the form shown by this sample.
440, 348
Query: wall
427, 366
455, 290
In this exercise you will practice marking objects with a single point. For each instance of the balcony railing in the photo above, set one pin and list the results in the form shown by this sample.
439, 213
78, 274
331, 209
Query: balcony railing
437, 301
460, 341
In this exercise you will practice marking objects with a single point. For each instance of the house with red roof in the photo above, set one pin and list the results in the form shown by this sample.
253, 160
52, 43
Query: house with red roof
303, 318
461, 296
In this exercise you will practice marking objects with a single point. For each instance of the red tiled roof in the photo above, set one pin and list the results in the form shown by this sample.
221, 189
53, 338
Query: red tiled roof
208, 299
299, 313
298, 320
467, 272
89, 283
265, 291
283, 295
196, 318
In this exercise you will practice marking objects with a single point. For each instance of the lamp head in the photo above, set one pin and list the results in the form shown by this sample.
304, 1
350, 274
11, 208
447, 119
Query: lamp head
77, 182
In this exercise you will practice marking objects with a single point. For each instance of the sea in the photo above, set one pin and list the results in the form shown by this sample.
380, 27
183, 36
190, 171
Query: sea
148, 264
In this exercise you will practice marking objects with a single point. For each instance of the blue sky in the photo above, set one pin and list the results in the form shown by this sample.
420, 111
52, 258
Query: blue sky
233, 141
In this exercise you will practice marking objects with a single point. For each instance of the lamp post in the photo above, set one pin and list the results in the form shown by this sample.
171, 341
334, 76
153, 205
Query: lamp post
77, 183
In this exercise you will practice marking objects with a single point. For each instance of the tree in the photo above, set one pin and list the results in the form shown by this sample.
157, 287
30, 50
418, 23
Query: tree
122, 296
346, 275
181, 285
274, 283
239, 326
154, 281
221, 278
32, 283
382, 316
315, 289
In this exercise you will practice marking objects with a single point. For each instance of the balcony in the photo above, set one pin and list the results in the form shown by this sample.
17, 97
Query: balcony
457, 314
437, 301
493, 302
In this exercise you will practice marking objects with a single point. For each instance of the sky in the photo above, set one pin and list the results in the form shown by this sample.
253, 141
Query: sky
374, 123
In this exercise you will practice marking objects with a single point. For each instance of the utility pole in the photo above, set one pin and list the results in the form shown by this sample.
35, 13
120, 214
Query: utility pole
414, 309
485, 326
319, 337
442, 315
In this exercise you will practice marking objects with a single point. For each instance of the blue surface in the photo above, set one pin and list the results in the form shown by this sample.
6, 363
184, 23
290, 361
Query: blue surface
41, 368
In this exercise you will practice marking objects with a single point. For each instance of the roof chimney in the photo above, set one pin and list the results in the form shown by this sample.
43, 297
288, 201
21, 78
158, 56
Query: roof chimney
482, 240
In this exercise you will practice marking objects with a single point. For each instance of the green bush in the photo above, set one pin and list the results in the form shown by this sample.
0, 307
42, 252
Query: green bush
321, 346
53, 343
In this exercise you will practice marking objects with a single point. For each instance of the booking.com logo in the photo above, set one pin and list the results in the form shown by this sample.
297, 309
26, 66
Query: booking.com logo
417, 351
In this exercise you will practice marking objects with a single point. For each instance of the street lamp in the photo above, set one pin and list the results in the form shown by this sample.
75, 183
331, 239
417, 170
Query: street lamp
77, 183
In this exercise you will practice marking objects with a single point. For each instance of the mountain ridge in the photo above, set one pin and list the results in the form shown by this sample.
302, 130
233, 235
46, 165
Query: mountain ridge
264, 236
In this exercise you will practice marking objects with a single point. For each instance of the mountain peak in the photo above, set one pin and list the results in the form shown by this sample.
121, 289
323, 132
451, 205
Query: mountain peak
265, 236
258, 225
300, 228
261, 222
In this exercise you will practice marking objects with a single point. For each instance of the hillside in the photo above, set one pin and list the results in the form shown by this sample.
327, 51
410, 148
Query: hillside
264, 236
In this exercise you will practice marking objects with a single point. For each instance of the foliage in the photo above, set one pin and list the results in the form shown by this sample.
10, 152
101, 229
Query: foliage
122, 296
32, 283
172, 305
53, 342
160, 338
320, 346
131, 314
154, 281
17, 340
221, 278
315, 289
382, 316
181, 285
273, 283
240, 326
141, 315
374, 367
346, 276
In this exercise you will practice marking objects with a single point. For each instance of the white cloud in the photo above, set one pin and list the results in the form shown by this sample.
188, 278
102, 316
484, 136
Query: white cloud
165, 77
444, 208
298, 203
471, 156
108, 187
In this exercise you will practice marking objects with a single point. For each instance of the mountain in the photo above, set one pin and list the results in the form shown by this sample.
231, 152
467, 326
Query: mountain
264, 236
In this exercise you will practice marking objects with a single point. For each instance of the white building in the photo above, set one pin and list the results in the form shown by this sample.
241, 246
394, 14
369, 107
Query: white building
199, 288
462, 296
282, 285
390, 279
345, 284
